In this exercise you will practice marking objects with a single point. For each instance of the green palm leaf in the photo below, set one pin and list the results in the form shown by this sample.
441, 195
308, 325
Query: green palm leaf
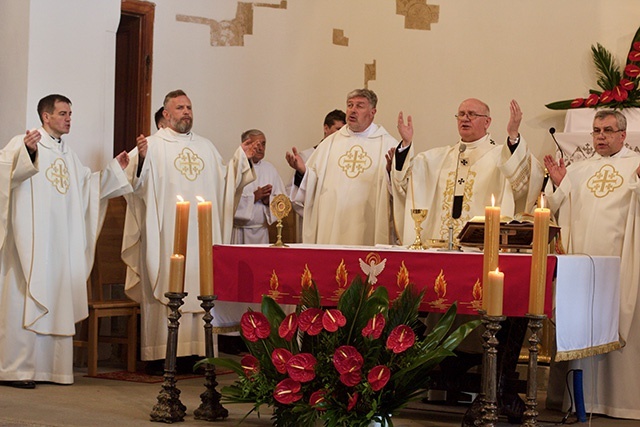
607, 71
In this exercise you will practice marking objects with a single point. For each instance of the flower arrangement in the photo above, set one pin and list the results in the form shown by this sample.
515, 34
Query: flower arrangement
620, 88
346, 366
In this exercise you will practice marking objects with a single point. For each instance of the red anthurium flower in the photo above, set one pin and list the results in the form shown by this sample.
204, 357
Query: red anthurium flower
577, 102
287, 391
279, 358
592, 100
619, 94
254, 326
250, 365
333, 319
288, 327
353, 399
351, 379
634, 55
379, 377
374, 327
310, 321
636, 46
606, 97
627, 84
301, 367
318, 401
347, 359
632, 70
401, 338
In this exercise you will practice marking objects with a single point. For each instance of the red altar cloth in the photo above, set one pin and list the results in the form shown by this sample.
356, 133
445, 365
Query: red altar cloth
245, 273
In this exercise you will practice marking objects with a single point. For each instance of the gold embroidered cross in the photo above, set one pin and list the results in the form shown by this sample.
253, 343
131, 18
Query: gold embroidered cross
58, 175
355, 161
604, 181
189, 164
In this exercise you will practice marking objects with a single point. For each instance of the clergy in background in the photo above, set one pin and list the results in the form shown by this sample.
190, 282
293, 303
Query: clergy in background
598, 206
176, 162
253, 214
345, 189
51, 212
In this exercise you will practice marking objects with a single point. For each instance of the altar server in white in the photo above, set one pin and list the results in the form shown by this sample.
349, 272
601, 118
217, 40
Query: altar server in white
345, 189
253, 214
176, 162
598, 206
51, 212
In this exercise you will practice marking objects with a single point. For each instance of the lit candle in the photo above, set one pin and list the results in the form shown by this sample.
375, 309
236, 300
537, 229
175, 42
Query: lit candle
496, 286
205, 247
539, 259
181, 229
176, 273
491, 246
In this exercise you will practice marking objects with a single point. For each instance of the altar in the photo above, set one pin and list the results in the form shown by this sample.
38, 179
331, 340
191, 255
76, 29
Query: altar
584, 298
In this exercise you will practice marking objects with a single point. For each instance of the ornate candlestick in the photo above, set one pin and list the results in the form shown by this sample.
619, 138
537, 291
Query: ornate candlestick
169, 409
490, 369
530, 417
210, 408
280, 207
418, 216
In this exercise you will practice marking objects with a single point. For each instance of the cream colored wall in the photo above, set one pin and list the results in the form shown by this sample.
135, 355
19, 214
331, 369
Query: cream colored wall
289, 74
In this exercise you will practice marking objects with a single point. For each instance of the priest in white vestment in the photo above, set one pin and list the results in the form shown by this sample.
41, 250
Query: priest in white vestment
345, 190
253, 214
177, 162
598, 206
455, 183
51, 211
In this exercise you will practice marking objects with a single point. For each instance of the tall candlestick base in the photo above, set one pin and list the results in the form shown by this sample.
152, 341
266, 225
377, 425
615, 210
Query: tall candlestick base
490, 369
530, 417
169, 409
210, 408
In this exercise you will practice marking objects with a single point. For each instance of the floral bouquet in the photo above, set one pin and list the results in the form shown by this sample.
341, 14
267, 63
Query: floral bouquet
347, 366
619, 89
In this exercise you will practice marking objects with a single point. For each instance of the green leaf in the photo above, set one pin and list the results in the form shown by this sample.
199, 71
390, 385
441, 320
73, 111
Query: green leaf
607, 71
561, 105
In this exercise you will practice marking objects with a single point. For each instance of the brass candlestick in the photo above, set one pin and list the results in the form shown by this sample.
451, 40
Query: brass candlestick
530, 417
169, 409
210, 409
490, 371
280, 207
418, 215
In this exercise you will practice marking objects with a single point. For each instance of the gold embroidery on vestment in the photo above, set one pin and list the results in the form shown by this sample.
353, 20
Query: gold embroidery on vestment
58, 175
189, 164
605, 181
355, 161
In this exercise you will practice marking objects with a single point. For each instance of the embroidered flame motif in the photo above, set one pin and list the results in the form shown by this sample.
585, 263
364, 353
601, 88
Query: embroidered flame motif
605, 181
440, 286
477, 291
58, 175
274, 285
403, 276
306, 278
341, 280
189, 164
355, 161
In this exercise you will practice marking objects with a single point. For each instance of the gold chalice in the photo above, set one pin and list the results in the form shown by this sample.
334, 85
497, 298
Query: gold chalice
280, 207
418, 215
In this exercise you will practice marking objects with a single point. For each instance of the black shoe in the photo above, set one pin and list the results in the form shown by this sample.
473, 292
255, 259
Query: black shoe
26, 384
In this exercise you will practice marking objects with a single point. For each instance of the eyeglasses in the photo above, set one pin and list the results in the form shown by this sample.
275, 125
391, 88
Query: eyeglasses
469, 114
605, 131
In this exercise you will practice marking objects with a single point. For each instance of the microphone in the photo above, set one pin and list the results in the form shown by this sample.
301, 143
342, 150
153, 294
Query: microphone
552, 131
456, 208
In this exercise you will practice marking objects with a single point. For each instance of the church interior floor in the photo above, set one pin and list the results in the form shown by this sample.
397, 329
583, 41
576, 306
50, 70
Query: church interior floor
103, 402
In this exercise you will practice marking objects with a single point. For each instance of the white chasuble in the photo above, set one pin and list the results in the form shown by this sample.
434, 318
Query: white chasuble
598, 209
345, 191
185, 165
47, 254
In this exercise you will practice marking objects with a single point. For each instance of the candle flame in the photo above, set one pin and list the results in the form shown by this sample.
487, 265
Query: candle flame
497, 270
200, 199
180, 199
493, 201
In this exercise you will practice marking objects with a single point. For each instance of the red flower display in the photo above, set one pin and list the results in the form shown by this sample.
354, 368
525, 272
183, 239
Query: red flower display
592, 100
636, 46
351, 379
606, 97
310, 321
288, 327
577, 102
301, 367
353, 399
619, 94
634, 56
317, 400
374, 327
250, 365
378, 377
632, 70
347, 359
401, 338
333, 319
287, 391
255, 326
279, 358
627, 84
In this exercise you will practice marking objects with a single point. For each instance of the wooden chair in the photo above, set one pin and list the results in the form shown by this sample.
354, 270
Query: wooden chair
108, 269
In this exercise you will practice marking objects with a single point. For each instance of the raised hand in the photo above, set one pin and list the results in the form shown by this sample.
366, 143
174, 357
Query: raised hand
515, 117
123, 159
295, 161
389, 157
31, 139
142, 144
557, 171
249, 146
405, 129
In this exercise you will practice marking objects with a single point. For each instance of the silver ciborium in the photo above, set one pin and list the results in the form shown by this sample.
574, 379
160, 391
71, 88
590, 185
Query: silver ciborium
418, 215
